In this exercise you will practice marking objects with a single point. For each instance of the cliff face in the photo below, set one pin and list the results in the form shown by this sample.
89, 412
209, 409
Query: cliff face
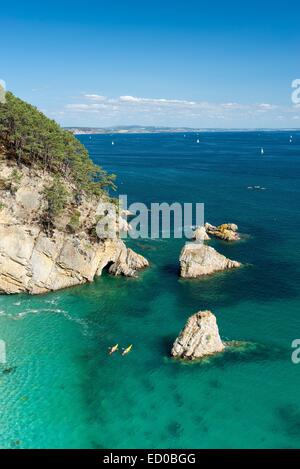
35, 261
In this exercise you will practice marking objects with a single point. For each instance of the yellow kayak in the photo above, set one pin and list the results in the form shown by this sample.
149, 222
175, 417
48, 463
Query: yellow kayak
127, 350
113, 349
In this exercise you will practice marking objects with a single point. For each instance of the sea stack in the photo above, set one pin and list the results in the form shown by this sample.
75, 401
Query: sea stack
197, 259
200, 234
128, 263
226, 231
199, 338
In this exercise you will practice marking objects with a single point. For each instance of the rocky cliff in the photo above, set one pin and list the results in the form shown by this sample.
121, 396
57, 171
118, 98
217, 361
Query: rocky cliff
34, 260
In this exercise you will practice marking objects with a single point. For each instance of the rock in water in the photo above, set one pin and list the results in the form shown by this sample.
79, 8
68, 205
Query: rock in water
197, 259
226, 231
128, 263
200, 234
200, 337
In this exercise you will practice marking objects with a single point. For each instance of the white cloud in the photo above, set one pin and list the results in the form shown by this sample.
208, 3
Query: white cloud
266, 106
85, 107
95, 97
127, 109
155, 101
232, 106
130, 99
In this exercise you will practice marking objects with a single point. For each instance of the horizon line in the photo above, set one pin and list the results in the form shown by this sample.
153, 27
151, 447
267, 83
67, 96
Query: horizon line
177, 128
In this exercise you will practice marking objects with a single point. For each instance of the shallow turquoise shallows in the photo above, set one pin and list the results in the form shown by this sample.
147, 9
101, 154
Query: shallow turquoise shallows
60, 389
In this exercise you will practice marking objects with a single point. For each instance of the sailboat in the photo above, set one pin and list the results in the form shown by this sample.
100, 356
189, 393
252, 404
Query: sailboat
112, 142
291, 138
198, 141
261, 151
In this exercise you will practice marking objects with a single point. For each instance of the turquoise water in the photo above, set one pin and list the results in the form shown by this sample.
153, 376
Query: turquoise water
61, 389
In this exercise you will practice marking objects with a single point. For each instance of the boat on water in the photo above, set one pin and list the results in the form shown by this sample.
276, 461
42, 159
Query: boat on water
262, 151
113, 349
127, 350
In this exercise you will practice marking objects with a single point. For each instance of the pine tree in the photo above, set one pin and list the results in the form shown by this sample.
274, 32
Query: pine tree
30, 138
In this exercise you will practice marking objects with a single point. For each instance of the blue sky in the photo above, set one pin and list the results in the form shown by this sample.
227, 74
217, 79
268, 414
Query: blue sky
192, 63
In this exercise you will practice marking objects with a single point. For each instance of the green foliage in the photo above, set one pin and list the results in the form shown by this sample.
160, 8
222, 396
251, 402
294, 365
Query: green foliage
31, 138
4, 184
56, 196
15, 176
74, 221
15, 179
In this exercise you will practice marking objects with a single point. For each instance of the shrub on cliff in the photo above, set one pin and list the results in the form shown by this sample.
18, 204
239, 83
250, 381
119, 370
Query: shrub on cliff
56, 197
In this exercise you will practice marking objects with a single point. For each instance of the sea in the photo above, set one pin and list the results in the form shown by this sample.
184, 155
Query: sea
61, 389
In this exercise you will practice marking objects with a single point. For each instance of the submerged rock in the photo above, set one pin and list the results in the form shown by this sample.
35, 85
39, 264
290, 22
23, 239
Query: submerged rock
199, 338
197, 259
226, 231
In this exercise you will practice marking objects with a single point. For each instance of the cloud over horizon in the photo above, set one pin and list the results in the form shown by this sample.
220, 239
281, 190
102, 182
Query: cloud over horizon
94, 109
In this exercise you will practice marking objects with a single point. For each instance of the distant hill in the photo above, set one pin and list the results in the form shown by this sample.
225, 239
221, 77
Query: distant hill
128, 129
139, 129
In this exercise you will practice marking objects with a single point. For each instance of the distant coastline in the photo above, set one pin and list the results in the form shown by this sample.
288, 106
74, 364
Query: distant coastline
158, 130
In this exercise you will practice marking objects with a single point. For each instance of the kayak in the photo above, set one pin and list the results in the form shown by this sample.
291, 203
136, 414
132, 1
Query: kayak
127, 350
113, 349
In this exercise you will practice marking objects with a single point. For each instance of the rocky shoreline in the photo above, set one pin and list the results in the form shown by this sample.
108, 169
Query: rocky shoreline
34, 261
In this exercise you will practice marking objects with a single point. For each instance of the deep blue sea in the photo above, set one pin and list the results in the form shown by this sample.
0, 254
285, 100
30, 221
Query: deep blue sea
60, 388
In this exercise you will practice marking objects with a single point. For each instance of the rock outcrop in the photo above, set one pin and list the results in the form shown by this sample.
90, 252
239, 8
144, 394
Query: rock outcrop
226, 231
34, 261
197, 259
200, 234
127, 263
199, 338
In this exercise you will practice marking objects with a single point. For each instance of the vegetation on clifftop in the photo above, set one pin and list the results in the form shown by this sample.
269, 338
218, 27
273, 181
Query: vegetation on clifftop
30, 138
